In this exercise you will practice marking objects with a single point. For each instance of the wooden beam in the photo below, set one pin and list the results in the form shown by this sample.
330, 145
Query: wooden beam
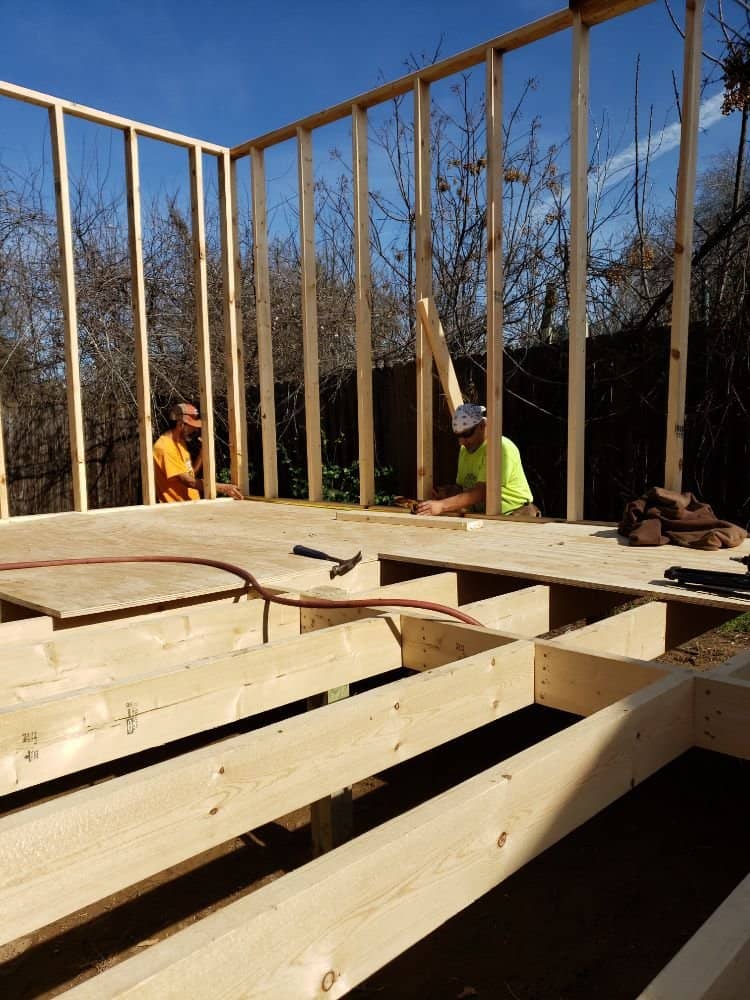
161, 815
441, 354
103, 117
83, 728
523, 611
423, 284
233, 353
508, 42
363, 307
639, 632
4, 505
715, 962
582, 682
263, 326
598, 11
683, 247
578, 267
495, 279
140, 321
68, 299
41, 664
722, 715
202, 328
412, 521
327, 926
442, 588
432, 642
238, 288
309, 314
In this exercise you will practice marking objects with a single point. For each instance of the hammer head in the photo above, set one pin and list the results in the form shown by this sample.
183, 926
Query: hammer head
345, 565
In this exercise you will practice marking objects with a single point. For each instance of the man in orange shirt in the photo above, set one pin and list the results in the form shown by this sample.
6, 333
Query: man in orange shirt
176, 477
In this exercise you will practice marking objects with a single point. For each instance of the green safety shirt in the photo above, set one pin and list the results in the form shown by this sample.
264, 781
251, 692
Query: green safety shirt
472, 469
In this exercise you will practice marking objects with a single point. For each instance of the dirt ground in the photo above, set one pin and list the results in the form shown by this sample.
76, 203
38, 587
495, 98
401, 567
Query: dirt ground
593, 918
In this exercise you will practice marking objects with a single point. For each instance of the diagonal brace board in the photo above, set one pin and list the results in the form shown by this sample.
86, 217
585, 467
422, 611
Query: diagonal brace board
440, 351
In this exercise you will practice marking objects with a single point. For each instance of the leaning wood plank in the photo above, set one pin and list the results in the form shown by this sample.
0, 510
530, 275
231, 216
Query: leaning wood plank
54, 736
201, 324
4, 506
410, 520
363, 307
68, 852
309, 305
722, 715
263, 326
442, 588
423, 284
575, 680
70, 317
440, 352
495, 277
578, 267
327, 926
639, 632
140, 325
233, 353
683, 245
23, 630
715, 963
40, 664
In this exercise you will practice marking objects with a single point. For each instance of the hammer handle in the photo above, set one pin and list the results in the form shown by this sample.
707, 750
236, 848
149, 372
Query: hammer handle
302, 550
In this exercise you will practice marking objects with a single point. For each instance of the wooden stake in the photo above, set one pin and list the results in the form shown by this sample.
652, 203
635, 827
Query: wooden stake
683, 247
68, 296
309, 314
495, 280
363, 308
423, 241
140, 326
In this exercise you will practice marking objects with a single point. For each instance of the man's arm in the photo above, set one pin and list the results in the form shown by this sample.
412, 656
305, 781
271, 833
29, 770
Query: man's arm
223, 489
454, 504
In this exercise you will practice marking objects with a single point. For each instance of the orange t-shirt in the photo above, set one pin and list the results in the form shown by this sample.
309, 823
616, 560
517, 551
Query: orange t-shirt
172, 460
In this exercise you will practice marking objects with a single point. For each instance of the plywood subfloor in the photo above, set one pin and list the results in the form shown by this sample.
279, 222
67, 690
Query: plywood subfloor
260, 536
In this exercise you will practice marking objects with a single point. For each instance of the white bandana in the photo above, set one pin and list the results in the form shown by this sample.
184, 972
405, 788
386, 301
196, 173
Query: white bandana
467, 416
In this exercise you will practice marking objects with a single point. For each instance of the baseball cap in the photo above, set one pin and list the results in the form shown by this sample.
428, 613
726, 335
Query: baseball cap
467, 416
187, 413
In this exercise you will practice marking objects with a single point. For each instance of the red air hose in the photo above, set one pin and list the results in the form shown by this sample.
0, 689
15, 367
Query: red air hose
250, 581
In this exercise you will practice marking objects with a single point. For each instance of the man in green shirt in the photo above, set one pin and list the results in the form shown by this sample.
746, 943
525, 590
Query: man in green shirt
470, 489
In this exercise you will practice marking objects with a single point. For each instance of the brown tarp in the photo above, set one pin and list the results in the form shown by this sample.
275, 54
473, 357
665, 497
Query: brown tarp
661, 516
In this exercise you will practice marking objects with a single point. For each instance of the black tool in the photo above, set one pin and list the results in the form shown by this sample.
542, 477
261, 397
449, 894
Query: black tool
734, 584
342, 565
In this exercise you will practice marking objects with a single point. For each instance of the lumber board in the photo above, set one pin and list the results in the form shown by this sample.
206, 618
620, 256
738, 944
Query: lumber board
363, 307
639, 632
140, 323
582, 682
200, 321
441, 354
40, 663
722, 715
577, 321
410, 520
442, 588
102, 117
523, 611
715, 962
69, 308
63, 734
683, 245
495, 278
330, 924
423, 284
309, 307
429, 642
70, 851
4, 505
263, 325
234, 359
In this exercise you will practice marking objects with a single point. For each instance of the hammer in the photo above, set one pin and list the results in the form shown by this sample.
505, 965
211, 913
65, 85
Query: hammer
342, 565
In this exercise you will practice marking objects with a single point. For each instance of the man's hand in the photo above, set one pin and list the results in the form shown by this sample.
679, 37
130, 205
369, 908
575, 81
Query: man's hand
228, 490
433, 507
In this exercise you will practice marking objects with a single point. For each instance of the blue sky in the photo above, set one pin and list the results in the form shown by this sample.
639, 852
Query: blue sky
229, 70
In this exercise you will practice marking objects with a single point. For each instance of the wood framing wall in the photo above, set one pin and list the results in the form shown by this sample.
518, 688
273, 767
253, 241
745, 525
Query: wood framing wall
579, 18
